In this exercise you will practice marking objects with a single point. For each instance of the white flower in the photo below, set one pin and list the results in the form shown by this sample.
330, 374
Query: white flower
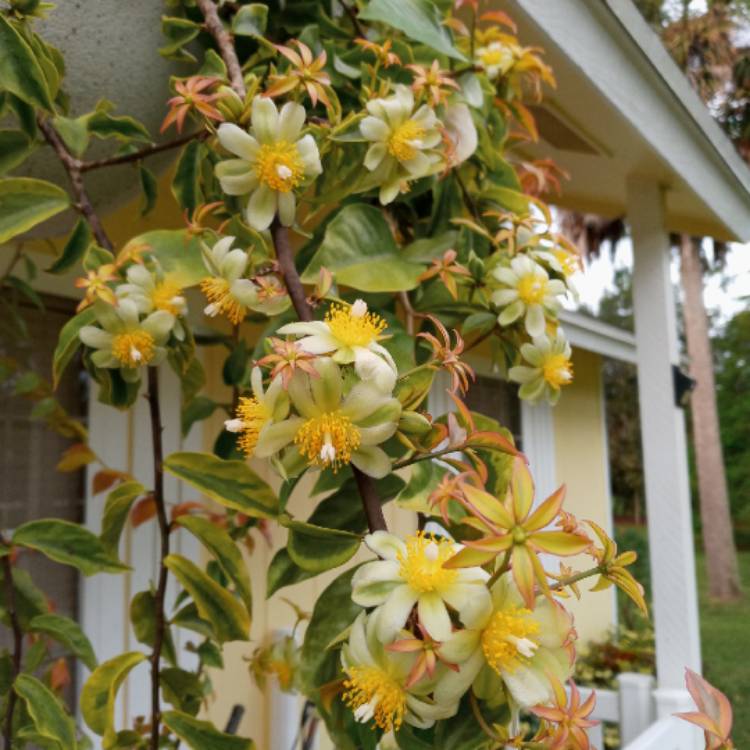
375, 684
228, 293
403, 141
496, 58
273, 161
154, 291
510, 646
350, 334
258, 417
529, 291
550, 368
123, 341
332, 428
460, 127
410, 573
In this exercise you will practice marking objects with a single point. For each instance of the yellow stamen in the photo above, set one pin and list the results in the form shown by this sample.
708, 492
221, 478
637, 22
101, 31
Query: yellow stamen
134, 348
222, 302
373, 693
568, 261
558, 370
328, 440
254, 416
165, 295
279, 166
352, 330
405, 140
507, 641
422, 565
532, 288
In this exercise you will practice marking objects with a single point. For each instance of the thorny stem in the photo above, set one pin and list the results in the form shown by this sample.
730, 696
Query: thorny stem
73, 168
86, 166
223, 40
10, 605
161, 514
427, 456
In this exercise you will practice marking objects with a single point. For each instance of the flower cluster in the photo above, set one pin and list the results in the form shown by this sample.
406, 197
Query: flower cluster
330, 400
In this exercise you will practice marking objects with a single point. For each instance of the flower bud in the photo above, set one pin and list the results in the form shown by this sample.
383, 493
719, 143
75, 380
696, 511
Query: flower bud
414, 423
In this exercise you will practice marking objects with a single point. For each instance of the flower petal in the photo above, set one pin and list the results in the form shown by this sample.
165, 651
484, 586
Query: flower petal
261, 208
236, 140
385, 545
290, 123
265, 119
392, 616
434, 616
373, 461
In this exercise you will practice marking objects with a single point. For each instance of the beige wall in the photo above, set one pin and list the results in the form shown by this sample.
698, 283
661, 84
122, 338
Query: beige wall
582, 464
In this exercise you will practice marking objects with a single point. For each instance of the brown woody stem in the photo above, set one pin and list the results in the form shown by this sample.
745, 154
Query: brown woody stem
224, 42
113, 161
161, 515
10, 605
73, 168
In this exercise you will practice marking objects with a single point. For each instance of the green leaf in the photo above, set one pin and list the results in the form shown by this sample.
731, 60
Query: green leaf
51, 722
229, 619
69, 633
95, 257
100, 691
74, 132
75, 248
26, 290
143, 620
186, 181
333, 613
68, 342
178, 32
178, 253
420, 20
15, 146
359, 249
123, 127
316, 549
232, 484
508, 198
341, 510
26, 202
235, 365
68, 543
202, 735
20, 71
225, 550
200, 408
251, 20
149, 187
29, 600
425, 476
182, 689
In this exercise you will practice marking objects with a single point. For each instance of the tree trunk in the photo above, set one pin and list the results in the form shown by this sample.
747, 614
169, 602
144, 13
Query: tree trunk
718, 537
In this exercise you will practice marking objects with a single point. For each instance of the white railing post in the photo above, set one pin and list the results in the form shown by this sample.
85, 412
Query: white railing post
636, 704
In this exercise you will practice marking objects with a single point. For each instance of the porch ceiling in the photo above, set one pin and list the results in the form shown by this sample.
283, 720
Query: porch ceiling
621, 108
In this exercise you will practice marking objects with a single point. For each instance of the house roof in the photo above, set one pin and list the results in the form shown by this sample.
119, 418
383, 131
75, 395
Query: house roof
622, 107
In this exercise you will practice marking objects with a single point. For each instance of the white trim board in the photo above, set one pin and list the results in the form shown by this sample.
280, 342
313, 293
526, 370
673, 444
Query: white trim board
585, 332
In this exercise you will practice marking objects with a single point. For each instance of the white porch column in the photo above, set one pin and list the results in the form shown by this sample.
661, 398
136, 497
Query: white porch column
538, 434
664, 445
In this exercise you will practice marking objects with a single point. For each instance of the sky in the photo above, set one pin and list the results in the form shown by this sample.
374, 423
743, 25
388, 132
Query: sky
723, 292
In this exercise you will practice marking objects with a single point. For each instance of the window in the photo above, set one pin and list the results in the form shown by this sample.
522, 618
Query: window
30, 488
498, 399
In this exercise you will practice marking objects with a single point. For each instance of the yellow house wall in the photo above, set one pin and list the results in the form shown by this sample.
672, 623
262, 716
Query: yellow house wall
581, 463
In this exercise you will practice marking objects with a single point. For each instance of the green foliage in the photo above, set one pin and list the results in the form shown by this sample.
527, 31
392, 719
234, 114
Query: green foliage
20, 70
358, 248
232, 484
201, 735
51, 723
68, 633
15, 146
116, 510
229, 619
75, 248
68, 543
26, 202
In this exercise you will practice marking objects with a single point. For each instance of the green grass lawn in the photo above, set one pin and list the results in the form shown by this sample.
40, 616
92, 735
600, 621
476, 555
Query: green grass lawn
725, 637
